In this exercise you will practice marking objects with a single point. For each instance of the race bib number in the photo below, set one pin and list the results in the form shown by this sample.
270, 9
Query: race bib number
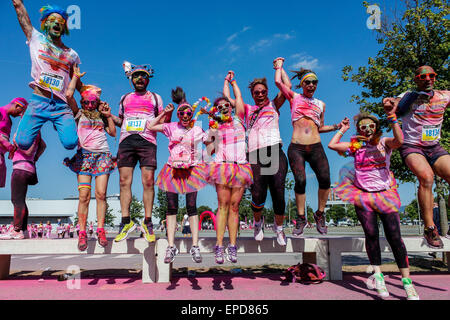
53, 81
135, 125
431, 133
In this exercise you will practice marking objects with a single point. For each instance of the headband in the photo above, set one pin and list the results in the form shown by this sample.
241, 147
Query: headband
90, 91
309, 74
20, 101
48, 10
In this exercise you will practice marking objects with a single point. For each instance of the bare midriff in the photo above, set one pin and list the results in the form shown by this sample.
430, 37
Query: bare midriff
305, 132
43, 93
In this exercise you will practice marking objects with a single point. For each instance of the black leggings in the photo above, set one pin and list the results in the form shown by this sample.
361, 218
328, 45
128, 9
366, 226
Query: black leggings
262, 161
172, 203
20, 180
391, 226
315, 155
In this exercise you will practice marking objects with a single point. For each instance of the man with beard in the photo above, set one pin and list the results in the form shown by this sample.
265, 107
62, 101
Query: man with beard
51, 69
137, 143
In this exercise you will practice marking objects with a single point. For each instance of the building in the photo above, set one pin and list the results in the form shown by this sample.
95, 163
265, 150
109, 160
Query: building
52, 210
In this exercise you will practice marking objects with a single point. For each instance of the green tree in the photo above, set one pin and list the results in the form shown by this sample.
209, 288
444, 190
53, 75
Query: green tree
419, 37
245, 208
411, 210
109, 217
336, 213
201, 209
309, 214
136, 209
351, 213
160, 208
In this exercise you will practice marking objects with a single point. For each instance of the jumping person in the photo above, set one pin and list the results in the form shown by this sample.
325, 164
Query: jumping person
93, 158
51, 70
184, 172
267, 159
24, 175
14, 109
230, 171
422, 113
372, 188
307, 115
137, 143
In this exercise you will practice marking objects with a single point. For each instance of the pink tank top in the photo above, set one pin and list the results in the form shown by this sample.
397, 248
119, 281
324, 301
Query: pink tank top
230, 142
302, 107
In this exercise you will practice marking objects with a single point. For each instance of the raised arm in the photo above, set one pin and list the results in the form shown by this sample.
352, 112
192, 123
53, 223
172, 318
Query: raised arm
335, 143
105, 110
280, 98
397, 140
239, 102
24, 18
285, 90
158, 123
226, 88
76, 76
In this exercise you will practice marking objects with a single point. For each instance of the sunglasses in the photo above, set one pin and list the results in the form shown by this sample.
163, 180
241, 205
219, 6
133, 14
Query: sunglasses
54, 19
140, 74
223, 105
364, 127
185, 113
257, 93
308, 82
87, 103
424, 76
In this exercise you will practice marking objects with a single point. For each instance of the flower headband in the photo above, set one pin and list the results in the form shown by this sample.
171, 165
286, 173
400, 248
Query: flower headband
131, 68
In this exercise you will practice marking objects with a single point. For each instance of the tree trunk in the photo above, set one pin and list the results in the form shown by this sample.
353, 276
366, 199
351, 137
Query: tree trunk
440, 187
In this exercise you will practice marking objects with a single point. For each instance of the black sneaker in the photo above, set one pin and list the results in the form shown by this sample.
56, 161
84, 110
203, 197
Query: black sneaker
300, 224
319, 216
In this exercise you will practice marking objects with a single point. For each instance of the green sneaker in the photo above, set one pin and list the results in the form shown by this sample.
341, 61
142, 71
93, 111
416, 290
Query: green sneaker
124, 230
376, 281
149, 235
411, 292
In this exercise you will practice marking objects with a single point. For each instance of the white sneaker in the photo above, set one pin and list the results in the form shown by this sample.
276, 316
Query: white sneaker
14, 235
258, 232
281, 237
411, 292
376, 281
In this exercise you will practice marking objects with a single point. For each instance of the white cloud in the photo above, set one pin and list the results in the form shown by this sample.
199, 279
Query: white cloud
265, 43
283, 36
305, 61
261, 44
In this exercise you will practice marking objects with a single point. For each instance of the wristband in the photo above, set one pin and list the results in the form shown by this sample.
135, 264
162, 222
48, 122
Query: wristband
392, 119
340, 132
232, 81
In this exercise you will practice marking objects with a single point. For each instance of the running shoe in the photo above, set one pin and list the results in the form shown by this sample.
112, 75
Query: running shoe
411, 292
149, 235
432, 237
300, 224
101, 238
195, 253
124, 230
319, 216
12, 235
376, 281
171, 252
218, 254
258, 232
281, 237
232, 253
82, 241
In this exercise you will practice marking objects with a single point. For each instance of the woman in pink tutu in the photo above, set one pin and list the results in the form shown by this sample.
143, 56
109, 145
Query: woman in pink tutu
372, 188
184, 172
230, 171
48, 228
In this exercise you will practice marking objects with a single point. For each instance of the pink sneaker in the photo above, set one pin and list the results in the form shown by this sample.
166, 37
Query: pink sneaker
12, 235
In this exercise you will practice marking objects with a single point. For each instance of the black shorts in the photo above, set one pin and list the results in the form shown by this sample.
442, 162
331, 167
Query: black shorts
134, 148
431, 153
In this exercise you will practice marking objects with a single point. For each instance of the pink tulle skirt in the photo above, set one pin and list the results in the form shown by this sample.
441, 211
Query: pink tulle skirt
387, 201
183, 181
232, 175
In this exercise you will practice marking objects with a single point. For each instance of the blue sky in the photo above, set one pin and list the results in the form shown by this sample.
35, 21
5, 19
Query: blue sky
193, 44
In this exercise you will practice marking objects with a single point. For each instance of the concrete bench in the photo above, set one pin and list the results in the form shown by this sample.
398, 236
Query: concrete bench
69, 247
339, 245
315, 250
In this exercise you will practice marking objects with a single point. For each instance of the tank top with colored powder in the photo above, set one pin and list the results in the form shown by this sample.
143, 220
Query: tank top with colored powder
24, 160
229, 142
92, 134
303, 107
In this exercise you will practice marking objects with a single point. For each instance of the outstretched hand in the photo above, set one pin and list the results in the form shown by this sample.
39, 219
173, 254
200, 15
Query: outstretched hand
77, 72
345, 124
169, 108
390, 105
230, 76
104, 109
278, 63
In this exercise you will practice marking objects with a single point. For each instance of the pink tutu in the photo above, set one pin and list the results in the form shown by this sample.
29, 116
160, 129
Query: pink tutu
232, 175
387, 201
183, 181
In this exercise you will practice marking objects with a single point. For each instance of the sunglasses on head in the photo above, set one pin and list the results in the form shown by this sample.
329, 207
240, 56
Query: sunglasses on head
185, 113
87, 103
424, 76
364, 127
308, 82
257, 93
223, 105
